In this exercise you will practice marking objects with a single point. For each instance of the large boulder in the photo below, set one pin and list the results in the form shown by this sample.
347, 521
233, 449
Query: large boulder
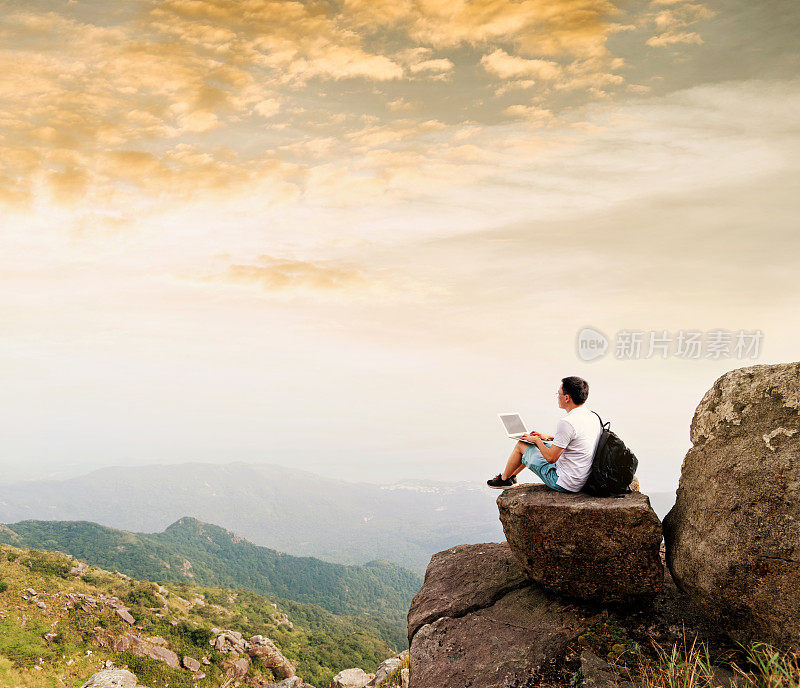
462, 579
602, 549
485, 631
733, 536
507, 643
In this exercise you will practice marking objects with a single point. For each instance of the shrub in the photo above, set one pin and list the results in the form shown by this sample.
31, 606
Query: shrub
48, 563
142, 595
199, 637
151, 672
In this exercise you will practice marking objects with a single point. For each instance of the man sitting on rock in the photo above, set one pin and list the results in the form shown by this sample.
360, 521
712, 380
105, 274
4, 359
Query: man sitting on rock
563, 461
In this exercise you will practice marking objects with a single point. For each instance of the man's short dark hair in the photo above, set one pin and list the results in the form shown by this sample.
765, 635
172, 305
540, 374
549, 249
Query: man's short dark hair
577, 388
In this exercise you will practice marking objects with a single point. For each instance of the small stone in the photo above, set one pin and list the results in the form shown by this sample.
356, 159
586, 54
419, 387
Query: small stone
191, 664
125, 615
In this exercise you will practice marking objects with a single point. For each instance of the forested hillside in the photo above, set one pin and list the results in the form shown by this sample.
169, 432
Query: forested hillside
60, 622
191, 551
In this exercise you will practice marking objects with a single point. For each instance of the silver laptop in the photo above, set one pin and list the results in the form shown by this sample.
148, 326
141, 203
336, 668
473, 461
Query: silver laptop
514, 426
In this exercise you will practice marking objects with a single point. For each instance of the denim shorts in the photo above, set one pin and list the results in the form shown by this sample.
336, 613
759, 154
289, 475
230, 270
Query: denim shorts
534, 460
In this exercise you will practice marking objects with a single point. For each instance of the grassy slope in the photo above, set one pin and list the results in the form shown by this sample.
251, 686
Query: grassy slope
319, 645
192, 551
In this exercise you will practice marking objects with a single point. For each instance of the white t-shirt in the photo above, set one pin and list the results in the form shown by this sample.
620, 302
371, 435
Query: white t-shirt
578, 433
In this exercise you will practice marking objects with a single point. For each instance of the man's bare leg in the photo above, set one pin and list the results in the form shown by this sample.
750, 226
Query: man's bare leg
515, 465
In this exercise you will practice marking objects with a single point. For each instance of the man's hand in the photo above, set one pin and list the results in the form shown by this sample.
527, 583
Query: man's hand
534, 433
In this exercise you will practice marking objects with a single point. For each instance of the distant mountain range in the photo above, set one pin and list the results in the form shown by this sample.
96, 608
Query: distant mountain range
291, 511
205, 554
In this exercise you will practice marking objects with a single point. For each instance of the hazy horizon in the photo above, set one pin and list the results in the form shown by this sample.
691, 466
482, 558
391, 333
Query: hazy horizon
343, 236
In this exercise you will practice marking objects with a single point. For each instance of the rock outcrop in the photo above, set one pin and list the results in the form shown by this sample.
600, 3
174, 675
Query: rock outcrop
293, 682
386, 675
351, 678
386, 669
153, 647
242, 649
469, 629
601, 549
502, 629
271, 657
239, 649
462, 579
112, 678
733, 536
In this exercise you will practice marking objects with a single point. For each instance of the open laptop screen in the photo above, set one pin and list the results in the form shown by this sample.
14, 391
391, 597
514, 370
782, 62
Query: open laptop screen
513, 423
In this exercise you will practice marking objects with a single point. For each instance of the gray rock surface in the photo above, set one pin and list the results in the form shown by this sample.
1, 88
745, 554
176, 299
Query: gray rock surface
598, 673
464, 578
602, 549
271, 656
191, 664
125, 615
292, 682
155, 648
237, 668
506, 643
485, 631
231, 643
351, 678
733, 536
112, 678
386, 668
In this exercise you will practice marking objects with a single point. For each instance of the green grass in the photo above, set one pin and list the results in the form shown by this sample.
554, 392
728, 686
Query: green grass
690, 665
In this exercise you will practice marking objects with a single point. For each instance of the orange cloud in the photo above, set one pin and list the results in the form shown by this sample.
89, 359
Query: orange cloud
673, 22
508, 66
274, 274
185, 97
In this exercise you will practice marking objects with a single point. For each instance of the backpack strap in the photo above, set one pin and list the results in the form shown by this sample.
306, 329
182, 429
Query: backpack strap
604, 426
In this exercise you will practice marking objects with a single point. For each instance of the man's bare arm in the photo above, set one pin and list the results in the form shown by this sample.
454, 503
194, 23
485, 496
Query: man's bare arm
550, 454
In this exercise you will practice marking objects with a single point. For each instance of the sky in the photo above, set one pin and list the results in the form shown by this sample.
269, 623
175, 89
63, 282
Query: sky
344, 235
